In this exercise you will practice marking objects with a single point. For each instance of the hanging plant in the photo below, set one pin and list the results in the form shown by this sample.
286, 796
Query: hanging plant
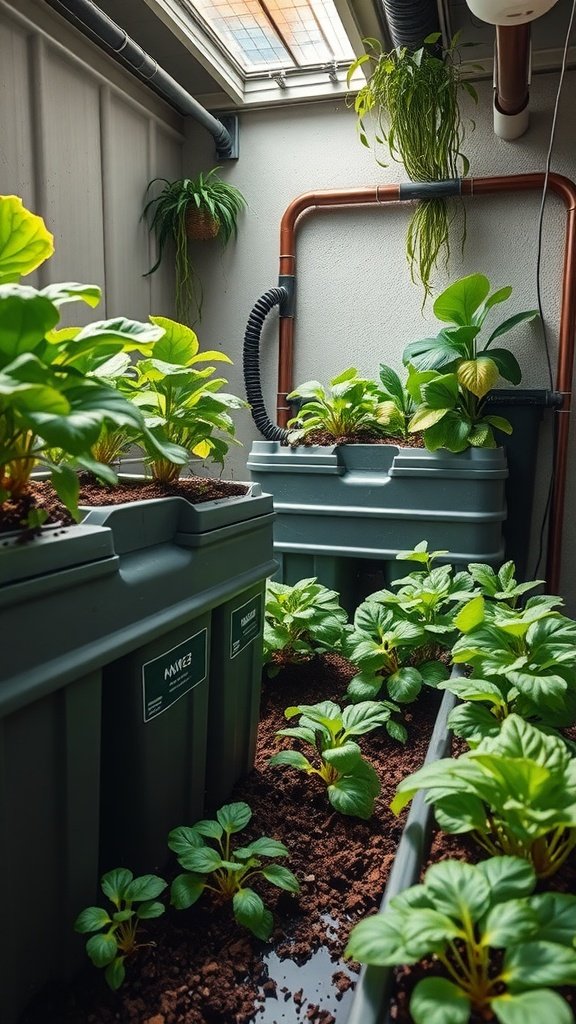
192, 208
414, 99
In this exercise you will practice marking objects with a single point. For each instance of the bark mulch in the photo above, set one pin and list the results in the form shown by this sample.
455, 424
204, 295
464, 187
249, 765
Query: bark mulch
200, 968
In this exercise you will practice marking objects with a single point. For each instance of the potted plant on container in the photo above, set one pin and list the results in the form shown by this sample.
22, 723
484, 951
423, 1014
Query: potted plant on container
198, 208
378, 495
414, 99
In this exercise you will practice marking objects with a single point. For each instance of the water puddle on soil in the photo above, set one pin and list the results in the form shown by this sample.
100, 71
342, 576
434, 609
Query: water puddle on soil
306, 992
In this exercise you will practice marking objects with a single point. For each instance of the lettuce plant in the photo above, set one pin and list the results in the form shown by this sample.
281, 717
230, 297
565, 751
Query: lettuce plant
351, 406
218, 867
134, 900
515, 793
352, 784
452, 373
182, 404
300, 621
502, 949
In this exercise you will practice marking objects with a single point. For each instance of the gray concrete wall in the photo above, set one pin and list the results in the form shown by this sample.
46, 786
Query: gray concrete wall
356, 304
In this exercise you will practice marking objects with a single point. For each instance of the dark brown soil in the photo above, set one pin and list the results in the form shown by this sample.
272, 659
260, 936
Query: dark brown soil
202, 968
323, 437
41, 495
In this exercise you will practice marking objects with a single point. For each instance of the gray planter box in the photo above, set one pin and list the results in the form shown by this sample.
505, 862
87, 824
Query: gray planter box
105, 688
344, 512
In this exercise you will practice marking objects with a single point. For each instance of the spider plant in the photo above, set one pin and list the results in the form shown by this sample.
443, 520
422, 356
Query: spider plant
202, 207
414, 100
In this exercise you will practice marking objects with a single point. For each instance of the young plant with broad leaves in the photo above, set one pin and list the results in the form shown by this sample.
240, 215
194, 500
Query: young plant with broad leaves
523, 661
515, 793
430, 597
300, 621
352, 784
213, 864
501, 585
182, 404
134, 900
452, 373
350, 407
502, 949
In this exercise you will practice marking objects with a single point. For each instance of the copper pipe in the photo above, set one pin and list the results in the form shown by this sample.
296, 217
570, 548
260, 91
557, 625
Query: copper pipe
565, 189
512, 62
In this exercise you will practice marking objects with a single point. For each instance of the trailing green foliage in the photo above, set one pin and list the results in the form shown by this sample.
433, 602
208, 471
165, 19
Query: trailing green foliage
351, 406
451, 374
503, 949
183, 405
208, 193
216, 866
523, 661
352, 784
515, 793
414, 100
299, 622
134, 900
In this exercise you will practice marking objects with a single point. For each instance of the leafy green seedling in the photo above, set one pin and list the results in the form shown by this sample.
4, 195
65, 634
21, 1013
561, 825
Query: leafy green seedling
219, 868
515, 793
299, 622
397, 406
503, 950
501, 585
116, 937
349, 407
352, 783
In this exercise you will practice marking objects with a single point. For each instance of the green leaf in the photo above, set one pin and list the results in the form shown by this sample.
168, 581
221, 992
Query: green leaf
433, 672
392, 385
202, 860
531, 1008
507, 364
359, 719
458, 889
91, 920
513, 321
210, 829
533, 964
344, 758
470, 615
282, 877
146, 911
262, 847
183, 839
451, 432
397, 731
508, 923
102, 949
458, 303
250, 911
115, 883
71, 292
424, 418
115, 973
379, 940
25, 242
185, 891
292, 758
132, 333
146, 887
67, 486
439, 1001
404, 685
354, 795
556, 916
441, 393
500, 423
25, 317
473, 722
234, 817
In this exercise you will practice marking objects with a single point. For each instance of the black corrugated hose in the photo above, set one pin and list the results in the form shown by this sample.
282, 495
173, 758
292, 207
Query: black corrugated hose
273, 297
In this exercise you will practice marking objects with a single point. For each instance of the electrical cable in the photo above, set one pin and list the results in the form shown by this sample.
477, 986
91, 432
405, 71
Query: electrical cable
539, 267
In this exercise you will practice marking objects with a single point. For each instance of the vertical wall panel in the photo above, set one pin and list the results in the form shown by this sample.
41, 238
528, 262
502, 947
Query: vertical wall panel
76, 145
16, 151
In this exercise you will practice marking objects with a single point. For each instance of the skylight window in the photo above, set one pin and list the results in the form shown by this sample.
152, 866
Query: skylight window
275, 35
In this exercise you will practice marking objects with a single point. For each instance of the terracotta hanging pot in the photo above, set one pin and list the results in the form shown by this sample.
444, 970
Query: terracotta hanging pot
200, 224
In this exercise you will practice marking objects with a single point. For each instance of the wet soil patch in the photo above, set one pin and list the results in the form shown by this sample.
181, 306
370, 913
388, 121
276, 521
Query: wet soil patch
324, 437
41, 495
202, 968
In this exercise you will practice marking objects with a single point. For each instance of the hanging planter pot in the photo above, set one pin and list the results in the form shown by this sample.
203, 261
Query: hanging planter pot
201, 226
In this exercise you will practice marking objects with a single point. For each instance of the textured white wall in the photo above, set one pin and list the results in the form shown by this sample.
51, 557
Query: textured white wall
355, 302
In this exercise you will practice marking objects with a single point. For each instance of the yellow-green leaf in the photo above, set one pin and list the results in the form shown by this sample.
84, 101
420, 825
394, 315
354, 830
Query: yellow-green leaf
425, 417
478, 375
25, 241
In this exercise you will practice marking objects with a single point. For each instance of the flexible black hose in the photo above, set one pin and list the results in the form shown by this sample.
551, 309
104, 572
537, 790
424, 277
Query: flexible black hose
273, 297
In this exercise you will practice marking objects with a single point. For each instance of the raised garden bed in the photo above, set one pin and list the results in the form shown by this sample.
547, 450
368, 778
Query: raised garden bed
205, 969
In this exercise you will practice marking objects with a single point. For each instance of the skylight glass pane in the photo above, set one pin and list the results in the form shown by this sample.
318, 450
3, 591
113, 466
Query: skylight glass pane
271, 34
